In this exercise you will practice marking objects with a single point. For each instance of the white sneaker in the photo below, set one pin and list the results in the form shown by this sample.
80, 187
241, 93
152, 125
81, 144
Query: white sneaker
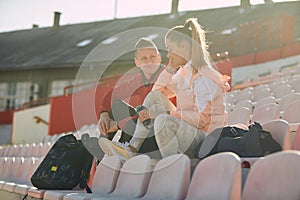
122, 150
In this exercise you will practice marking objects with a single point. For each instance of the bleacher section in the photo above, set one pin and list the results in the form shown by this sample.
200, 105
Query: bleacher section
273, 100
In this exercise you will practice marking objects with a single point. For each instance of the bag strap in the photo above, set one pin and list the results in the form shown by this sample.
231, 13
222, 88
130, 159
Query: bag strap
86, 186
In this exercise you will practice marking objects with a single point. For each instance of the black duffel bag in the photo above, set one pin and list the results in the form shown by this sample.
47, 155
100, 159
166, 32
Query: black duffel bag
254, 142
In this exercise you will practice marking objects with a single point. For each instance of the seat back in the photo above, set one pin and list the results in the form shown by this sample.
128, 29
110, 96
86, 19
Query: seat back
16, 164
31, 150
243, 95
170, 178
260, 93
217, 177
279, 92
287, 100
275, 177
265, 100
24, 150
106, 175
7, 168
34, 163
296, 142
7, 150
3, 160
134, 177
240, 115
280, 131
265, 113
245, 103
25, 169
291, 112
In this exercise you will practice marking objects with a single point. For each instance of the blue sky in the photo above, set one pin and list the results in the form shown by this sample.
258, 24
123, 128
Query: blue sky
21, 14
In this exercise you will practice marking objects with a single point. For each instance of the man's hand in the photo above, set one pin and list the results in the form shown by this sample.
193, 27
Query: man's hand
106, 124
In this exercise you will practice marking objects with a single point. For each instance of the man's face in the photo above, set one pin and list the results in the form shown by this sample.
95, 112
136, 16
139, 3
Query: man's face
148, 60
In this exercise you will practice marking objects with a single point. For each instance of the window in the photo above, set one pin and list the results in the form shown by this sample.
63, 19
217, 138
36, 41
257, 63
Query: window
57, 86
14, 95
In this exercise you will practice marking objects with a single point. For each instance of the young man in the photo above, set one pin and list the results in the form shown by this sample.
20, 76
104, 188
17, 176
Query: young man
132, 88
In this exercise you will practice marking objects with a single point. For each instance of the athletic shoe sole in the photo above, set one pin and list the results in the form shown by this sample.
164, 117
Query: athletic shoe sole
111, 149
106, 146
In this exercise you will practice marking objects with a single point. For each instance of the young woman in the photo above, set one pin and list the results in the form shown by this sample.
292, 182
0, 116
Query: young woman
199, 91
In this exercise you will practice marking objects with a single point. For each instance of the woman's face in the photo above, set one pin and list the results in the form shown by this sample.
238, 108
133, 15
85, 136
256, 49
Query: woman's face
178, 53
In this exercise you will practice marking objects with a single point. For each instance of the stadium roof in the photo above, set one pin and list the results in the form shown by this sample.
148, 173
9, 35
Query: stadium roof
69, 45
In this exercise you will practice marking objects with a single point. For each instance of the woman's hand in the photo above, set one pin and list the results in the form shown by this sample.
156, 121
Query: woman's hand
171, 67
144, 115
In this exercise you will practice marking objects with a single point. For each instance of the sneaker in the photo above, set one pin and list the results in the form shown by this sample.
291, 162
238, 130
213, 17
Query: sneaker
106, 147
122, 150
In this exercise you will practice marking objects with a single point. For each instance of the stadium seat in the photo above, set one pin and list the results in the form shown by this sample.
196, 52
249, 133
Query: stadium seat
31, 151
22, 189
239, 115
134, 177
43, 149
260, 93
276, 84
291, 115
244, 103
288, 99
14, 150
275, 177
295, 83
20, 176
228, 107
243, 95
279, 130
23, 150
265, 100
170, 178
7, 150
14, 164
265, 113
104, 181
282, 91
7, 171
132, 182
217, 177
1, 151
229, 98
296, 141
2, 161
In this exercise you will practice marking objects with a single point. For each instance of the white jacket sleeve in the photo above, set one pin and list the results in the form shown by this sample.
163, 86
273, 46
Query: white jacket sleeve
166, 83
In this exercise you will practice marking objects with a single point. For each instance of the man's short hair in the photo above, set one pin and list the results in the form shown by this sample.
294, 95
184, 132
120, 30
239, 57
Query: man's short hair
145, 43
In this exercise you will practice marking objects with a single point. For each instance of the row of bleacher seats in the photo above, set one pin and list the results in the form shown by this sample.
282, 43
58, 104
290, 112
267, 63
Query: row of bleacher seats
18, 162
282, 103
277, 86
25, 150
14, 170
277, 98
214, 177
232, 100
276, 176
41, 148
267, 112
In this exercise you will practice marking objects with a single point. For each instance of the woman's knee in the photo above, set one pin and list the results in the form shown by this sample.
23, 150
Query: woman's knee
162, 122
154, 97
